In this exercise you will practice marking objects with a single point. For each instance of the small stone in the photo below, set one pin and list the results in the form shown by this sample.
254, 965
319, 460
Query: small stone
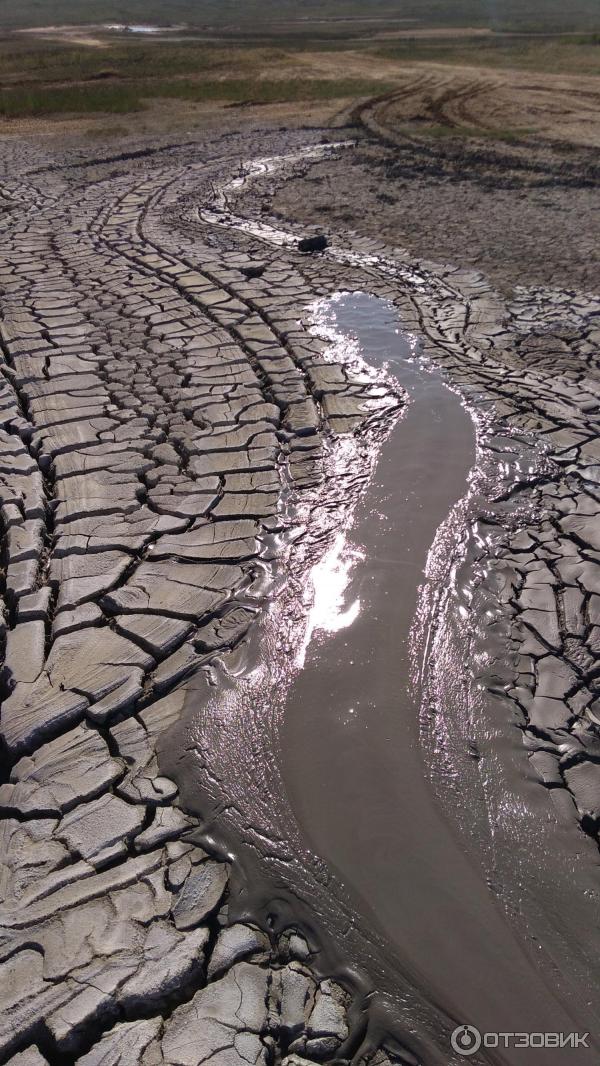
313, 244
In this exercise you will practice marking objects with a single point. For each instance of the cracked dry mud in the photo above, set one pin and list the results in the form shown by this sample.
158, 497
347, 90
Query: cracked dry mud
164, 406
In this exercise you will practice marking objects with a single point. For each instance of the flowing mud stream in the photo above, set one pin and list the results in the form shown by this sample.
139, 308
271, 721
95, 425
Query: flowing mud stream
303, 753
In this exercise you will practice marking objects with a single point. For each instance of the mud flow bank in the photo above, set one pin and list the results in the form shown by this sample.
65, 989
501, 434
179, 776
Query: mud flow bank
303, 754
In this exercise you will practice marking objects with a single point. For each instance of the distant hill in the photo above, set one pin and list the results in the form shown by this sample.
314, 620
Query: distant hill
274, 16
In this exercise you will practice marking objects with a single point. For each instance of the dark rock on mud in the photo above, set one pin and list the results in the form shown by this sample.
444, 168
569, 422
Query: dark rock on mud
313, 244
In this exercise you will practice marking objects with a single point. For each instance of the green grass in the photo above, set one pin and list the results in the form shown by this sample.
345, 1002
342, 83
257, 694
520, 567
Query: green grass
28, 59
122, 99
86, 99
279, 90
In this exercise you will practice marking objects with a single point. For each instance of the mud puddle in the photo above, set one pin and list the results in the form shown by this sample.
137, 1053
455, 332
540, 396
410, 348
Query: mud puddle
302, 751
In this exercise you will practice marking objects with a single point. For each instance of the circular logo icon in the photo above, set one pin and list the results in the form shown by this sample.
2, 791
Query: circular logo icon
466, 1040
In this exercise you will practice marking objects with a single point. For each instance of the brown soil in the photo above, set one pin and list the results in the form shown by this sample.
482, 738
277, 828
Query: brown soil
558, 108
440, 175
165, 117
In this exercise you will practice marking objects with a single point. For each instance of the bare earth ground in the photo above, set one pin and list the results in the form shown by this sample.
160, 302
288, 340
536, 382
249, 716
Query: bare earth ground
157, 379
522, 209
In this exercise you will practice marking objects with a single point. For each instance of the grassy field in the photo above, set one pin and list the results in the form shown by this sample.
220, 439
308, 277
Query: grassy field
499, 14
275, 58
27, 60
43, 78
40, 79
123, 99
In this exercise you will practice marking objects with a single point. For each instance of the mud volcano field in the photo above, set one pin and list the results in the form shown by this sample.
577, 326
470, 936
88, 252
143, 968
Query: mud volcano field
301, 595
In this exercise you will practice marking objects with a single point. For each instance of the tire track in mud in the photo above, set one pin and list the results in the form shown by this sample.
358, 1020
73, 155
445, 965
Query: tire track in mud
472, 105
160, 405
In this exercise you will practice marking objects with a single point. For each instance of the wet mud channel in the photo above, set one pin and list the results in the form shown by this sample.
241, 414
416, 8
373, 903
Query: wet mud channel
304, 753
352, 762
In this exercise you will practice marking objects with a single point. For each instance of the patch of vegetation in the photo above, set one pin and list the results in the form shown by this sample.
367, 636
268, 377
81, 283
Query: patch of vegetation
30, 59
277, 90
79, 99
123, 98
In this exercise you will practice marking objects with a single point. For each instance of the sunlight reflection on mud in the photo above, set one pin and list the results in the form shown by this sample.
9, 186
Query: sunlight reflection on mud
329, 580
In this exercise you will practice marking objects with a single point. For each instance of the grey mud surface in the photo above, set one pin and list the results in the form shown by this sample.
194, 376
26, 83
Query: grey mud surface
180, 449
520, 215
